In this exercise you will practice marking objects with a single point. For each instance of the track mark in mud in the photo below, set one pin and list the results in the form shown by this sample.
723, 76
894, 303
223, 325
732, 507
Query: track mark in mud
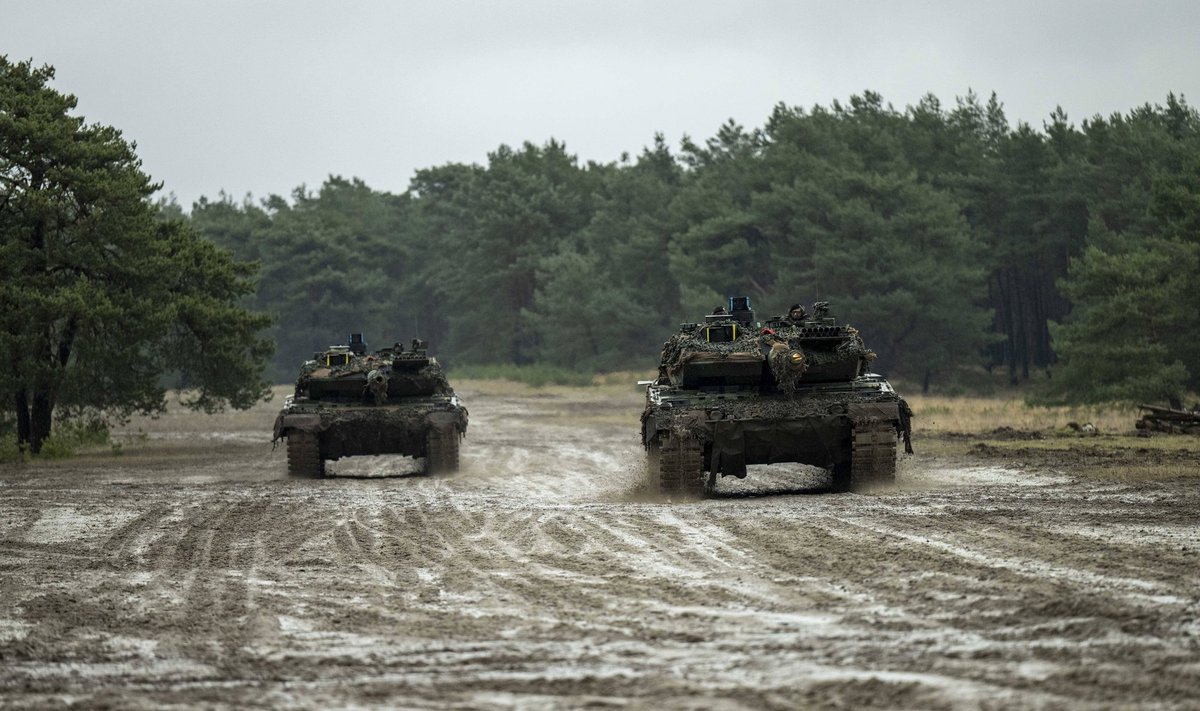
976, 549
536, 576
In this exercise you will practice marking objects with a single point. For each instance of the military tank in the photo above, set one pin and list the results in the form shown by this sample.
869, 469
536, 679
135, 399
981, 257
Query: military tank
393, 401
732, 392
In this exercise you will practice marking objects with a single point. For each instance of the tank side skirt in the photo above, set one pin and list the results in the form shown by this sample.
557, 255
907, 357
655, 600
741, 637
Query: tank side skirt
304, 456
873, 453
442, 449
681, 464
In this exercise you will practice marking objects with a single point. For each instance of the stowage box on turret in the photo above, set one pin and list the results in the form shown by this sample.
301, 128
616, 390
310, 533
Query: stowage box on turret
393, 401
732, 392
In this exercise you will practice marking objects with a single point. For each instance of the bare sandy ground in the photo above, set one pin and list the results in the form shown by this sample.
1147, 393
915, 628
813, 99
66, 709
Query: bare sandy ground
190, 571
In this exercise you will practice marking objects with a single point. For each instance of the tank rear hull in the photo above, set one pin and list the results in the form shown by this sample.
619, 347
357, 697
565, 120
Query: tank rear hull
345, 431
849, 428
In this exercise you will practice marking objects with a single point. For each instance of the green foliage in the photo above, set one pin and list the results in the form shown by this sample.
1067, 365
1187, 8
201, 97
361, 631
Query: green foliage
102, 293
953, 240
72, 437
336, 261
490, 231
1131, 336
1131, 332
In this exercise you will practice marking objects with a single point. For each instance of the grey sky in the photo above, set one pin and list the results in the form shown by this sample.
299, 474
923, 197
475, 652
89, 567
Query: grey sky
263, 96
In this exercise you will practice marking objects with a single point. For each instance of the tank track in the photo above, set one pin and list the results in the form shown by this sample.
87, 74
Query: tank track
304, 456
441, 450
681, 466
872, 455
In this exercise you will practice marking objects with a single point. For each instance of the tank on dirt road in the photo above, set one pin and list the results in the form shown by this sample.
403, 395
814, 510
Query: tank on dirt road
732, 392
393, 401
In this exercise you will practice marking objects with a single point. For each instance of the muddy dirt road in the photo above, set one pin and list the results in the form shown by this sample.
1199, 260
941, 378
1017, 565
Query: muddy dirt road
190, 571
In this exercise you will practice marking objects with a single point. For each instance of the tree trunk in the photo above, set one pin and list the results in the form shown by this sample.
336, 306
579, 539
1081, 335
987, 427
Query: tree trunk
39, 420
22, 404
925, 382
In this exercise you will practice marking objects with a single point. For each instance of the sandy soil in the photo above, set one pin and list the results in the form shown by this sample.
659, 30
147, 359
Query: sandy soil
191, 571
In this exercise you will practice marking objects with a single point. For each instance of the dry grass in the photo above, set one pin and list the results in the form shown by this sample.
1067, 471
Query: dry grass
1145, 472
938, 413
178, 418
934, 414
615, 401
621, 386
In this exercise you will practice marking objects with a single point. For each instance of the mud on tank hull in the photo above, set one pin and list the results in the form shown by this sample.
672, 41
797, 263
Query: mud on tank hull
317, 432
851, 428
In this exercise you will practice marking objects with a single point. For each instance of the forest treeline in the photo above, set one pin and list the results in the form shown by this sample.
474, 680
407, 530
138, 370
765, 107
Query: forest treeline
951, 238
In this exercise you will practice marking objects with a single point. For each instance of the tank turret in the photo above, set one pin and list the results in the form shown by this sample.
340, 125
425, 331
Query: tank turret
348, 374
731, 349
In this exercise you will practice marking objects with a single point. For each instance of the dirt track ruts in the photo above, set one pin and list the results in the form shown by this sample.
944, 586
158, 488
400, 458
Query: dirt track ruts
544, 575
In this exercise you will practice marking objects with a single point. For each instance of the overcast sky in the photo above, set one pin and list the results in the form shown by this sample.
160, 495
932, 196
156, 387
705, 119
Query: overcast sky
260, 97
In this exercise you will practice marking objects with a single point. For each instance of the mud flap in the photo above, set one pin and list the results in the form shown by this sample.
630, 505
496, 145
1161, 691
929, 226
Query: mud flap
728, 450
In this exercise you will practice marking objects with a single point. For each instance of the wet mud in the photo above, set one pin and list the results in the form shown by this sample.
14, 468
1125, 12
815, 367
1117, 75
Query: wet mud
190, 571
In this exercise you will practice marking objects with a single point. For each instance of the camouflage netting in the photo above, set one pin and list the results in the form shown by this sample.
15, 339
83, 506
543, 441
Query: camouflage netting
850, 348
429, 380
346, 420
404, 380
788, 365
777, 349
776, 409
685, 345
780, 408
409, 421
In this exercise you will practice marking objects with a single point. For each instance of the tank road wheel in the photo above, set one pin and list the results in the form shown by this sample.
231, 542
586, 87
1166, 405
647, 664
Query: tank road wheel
304, 455
681, 466
441, 450
872, 458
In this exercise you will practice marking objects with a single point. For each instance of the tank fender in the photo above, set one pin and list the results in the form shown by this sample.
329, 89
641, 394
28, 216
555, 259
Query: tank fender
295, 421
862, 412
691, 423
446, 419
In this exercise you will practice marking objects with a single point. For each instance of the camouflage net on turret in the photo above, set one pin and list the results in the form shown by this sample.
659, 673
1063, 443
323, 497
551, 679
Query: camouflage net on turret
851, 348
788, 365
685, 345
778, 349
428, 380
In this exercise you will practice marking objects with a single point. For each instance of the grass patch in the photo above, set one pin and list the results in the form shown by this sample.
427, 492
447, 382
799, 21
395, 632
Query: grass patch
941, 413
1144, 472
67, 440
1125, 458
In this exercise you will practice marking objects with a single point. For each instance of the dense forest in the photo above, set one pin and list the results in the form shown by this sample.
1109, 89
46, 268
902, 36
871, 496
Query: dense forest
953, 239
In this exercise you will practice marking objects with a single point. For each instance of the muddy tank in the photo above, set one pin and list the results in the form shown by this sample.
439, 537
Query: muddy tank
733, 392
393, 401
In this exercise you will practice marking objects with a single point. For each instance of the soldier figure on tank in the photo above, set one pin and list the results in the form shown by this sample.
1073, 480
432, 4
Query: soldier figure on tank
732, 392
393, 401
